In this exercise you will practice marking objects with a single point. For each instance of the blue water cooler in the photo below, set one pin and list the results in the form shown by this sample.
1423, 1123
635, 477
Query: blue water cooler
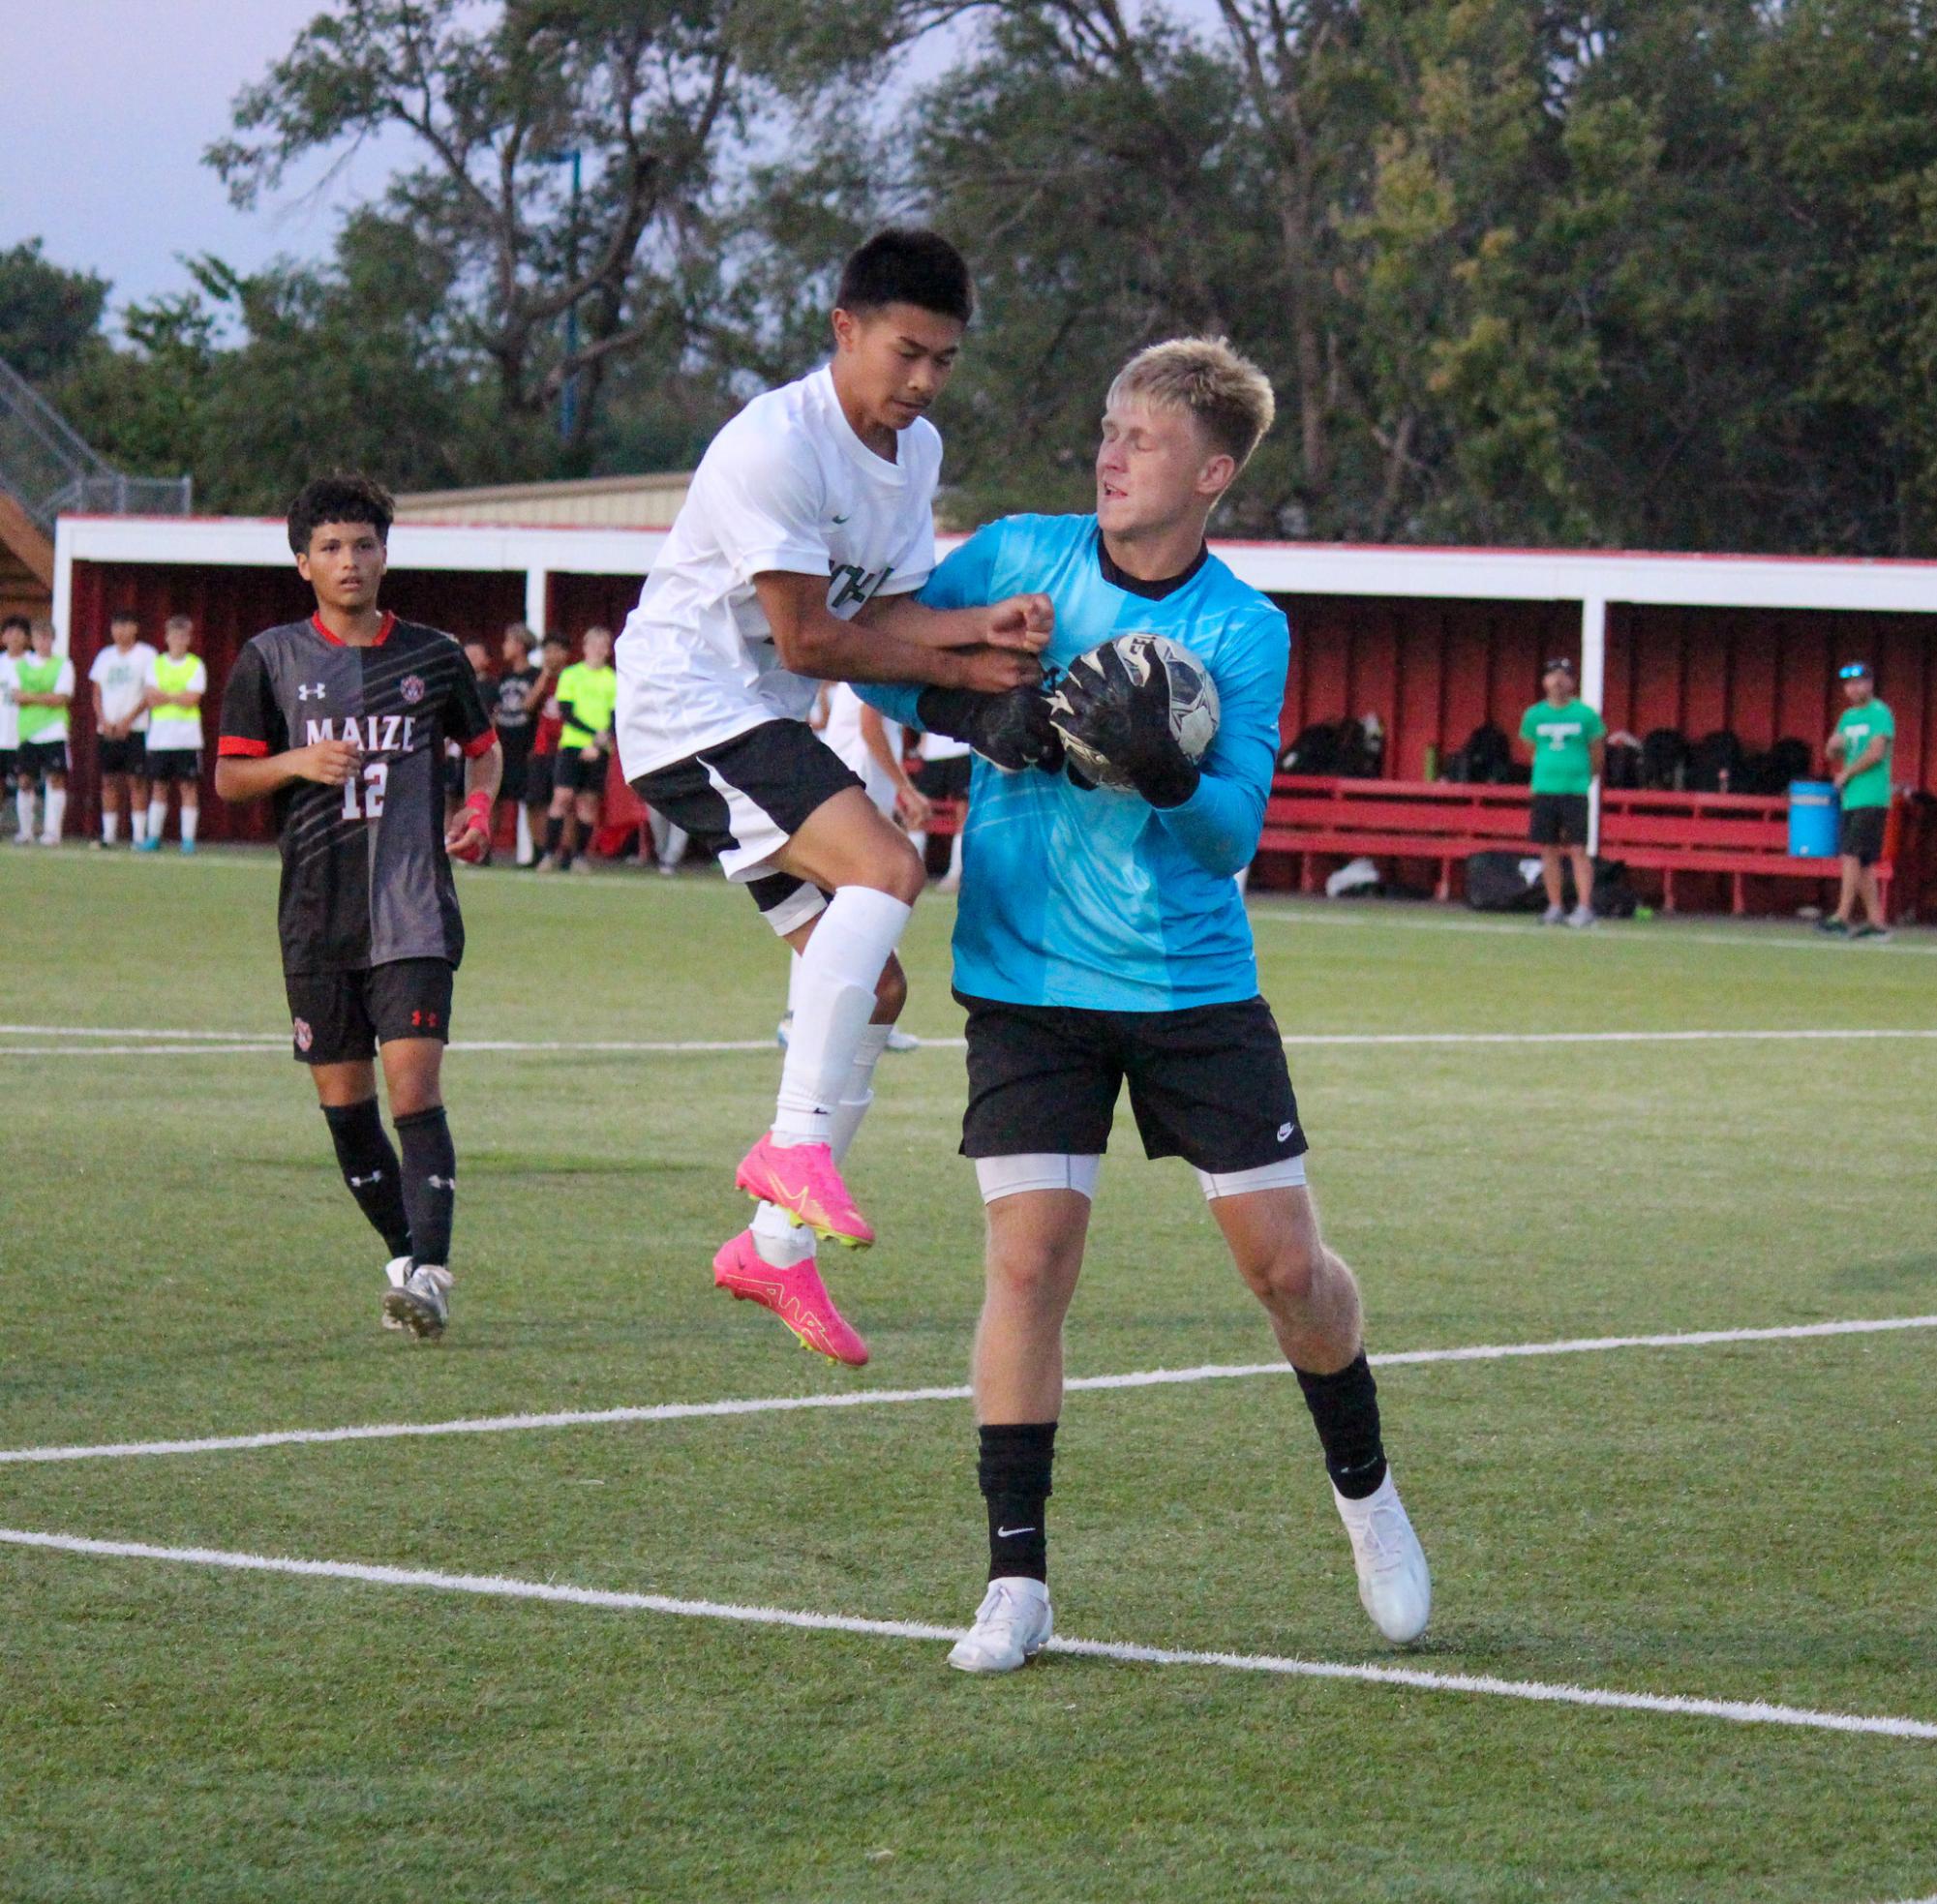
1814, 812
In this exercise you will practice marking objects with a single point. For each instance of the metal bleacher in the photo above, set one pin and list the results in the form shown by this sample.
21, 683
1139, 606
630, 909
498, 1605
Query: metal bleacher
50, 471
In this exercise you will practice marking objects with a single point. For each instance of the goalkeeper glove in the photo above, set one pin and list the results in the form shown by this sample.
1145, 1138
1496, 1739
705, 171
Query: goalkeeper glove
1011, 731
1129, 724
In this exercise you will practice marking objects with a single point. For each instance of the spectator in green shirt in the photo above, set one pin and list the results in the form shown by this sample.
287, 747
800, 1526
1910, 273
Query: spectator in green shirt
1569, 742
1861, 746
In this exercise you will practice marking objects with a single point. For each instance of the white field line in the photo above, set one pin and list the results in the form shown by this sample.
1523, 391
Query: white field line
874, 1398
1737, 1711
135, 1031
1605, 933
201, 1043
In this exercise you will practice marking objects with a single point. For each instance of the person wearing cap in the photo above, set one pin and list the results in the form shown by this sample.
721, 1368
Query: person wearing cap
1569, 742
1861, 745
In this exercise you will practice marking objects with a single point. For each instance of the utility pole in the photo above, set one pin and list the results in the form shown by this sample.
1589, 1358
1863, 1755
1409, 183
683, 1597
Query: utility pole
568, 397
568, 392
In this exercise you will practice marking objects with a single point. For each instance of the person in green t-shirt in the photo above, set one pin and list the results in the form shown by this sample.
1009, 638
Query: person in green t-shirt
1569, 742
587, 693
1861, 744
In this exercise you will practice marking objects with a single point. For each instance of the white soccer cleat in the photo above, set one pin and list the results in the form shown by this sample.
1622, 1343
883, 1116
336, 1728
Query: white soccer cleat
1554, 916
1011, 1626
902, 1041
395, 1271
1581, 918
421, 1302
1394, 1585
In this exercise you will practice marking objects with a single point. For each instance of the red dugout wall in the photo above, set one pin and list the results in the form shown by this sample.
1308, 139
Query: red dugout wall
1768, 675
1433, 671
229, 605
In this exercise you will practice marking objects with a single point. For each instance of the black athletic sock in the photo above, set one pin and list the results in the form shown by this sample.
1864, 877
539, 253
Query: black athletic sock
430, 1183
1014, 1475
554, 831
1344, 1409
371, 1169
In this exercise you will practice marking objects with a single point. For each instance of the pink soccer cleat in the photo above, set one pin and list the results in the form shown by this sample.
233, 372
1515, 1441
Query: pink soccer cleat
805, 1181
797, 1296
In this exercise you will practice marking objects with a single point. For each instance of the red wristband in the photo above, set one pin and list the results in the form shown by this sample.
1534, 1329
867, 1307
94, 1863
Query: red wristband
478, 804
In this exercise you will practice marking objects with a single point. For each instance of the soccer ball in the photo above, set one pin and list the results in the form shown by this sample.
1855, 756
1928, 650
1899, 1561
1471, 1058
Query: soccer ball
1194, 701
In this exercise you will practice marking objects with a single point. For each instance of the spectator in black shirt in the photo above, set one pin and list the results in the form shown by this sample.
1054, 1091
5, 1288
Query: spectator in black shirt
516, 723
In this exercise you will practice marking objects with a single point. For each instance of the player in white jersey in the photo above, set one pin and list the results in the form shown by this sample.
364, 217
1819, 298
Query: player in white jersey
808, 528
119, 678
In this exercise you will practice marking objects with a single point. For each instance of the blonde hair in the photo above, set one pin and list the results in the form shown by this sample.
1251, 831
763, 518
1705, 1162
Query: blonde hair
1228, 393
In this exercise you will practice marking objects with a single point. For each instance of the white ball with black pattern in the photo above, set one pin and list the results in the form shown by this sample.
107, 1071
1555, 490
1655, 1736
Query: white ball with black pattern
1194, 701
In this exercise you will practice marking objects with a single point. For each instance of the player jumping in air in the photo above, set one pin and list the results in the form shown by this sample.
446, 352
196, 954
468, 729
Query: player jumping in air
342, 720
794, 559
1100, 939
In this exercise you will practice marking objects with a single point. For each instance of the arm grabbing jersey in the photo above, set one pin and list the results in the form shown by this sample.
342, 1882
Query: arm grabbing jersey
1095, 898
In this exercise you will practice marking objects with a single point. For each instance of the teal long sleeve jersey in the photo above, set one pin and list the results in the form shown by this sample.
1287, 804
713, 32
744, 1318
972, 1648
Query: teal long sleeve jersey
1097, 899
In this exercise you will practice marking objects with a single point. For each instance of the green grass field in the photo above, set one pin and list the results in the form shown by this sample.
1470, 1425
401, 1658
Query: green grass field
1740, 1522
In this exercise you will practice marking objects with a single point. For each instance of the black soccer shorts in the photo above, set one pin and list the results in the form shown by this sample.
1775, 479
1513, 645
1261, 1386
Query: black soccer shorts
40, 758
1208, 1083
1860, 833
165, 764
1558, 819
337, 1018
581, 773
759, 789
514, 783
127, 755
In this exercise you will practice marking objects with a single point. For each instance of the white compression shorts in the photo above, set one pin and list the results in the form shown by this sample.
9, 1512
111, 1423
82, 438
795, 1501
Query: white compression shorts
1011, 1176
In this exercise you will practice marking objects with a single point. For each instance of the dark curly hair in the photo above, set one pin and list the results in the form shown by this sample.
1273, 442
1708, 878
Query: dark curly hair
339, 499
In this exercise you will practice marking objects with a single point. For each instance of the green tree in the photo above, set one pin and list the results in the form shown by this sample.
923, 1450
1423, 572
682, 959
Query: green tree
49, 317
641, 101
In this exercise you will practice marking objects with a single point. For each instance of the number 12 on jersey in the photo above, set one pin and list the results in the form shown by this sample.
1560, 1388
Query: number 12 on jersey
375, 777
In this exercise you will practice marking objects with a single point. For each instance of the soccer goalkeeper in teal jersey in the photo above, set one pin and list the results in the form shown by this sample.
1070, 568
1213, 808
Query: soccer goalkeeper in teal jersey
1100, 939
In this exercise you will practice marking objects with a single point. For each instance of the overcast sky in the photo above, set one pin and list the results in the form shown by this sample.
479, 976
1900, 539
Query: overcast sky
108, 105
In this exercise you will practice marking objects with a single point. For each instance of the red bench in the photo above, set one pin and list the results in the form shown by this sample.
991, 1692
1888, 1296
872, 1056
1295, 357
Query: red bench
1740, 836
1315, 818
1737, 837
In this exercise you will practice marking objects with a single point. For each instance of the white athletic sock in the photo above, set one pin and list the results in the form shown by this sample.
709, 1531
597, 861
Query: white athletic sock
839, 969
56, 813
779, 1239
527, 850
191, 817
158, 818
23, 811
860, 1092
137, 821
793, 980
110, 827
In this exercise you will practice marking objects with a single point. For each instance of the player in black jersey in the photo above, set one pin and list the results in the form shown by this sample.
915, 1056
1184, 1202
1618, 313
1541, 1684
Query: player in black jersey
342, 722
516, 722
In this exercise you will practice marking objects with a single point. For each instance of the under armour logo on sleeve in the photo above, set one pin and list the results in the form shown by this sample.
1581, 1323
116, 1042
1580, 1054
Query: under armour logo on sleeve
308, 692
